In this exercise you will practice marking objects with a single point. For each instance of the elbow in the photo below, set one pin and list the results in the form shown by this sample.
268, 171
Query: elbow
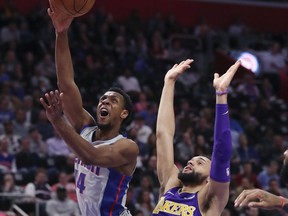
159, 134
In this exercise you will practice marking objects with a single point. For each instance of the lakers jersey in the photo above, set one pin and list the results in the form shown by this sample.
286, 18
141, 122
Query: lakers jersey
173, 202
100, 191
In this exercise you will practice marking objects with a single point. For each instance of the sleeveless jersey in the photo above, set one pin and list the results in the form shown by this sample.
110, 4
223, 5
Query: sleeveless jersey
100, 191
175, 203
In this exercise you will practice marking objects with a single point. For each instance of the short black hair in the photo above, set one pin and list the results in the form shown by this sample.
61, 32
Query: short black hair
128, 105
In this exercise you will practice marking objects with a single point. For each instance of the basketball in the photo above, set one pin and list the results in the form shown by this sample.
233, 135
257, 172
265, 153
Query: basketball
73, 8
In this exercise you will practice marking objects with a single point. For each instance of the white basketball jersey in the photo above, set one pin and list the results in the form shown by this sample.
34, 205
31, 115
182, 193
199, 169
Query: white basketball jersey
100, 191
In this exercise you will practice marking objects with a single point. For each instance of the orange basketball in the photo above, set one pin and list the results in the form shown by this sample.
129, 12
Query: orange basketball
73, 8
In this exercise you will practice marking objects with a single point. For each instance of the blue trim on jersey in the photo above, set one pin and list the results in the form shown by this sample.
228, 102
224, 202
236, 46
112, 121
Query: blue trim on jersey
86, 126
112, 197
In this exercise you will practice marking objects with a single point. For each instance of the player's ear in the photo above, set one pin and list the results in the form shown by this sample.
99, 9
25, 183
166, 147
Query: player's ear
124, 114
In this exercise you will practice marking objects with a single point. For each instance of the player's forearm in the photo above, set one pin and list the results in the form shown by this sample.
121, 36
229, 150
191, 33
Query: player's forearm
83, 148
165, 118
64, 66
221, 99
165, 133
222, 149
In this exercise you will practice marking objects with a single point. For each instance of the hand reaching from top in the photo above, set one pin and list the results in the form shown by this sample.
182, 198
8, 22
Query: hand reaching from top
60, 20
222, 83
285, 161
178, 69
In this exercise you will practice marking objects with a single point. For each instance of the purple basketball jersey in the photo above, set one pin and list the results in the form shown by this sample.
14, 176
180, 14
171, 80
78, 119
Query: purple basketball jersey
173, 202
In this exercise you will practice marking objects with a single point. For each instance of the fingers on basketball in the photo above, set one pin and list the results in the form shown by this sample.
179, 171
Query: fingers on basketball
74, 8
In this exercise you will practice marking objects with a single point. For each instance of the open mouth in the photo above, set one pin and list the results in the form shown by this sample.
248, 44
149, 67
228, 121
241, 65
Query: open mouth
104, 113
187, 169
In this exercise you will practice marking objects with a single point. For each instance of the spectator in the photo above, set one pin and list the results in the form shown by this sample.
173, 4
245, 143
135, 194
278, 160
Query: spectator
37, 144
271, 172
246, 151
185, 147
61, 204
248, 173
38, 193
7, 160
129, 83
44, 126
26, 161
6, 111
143, 131
273, 61
144, 203
9, 186
12, 138
64, 181
20, 125
146, 184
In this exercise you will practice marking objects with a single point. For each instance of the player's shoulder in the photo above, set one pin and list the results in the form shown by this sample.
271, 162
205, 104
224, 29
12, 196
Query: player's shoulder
128, 144
127, 141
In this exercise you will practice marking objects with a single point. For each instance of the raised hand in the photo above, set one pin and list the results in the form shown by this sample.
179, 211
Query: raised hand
285, 162
53, 106
259, 199
178, 69
221, 83
60, 20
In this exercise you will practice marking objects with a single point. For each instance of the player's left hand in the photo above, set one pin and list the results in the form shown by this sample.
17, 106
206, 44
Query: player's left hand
221, 83
53, 106
60, 20
258, 198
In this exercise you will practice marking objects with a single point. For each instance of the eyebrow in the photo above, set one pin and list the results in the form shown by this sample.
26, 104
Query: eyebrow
110, 96
202, 159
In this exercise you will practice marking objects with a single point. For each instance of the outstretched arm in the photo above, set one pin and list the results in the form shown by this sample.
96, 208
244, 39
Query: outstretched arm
75, 113
165, 129
260, 199
116, 155
284, 169
218, 186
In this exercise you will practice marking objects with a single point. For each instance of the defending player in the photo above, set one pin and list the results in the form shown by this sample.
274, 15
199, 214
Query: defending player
202, 187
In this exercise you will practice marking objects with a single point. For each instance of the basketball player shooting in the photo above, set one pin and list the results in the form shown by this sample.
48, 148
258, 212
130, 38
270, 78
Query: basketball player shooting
105, 159
202, 187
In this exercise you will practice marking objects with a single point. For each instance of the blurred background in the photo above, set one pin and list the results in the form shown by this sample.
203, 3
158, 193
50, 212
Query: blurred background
131, 44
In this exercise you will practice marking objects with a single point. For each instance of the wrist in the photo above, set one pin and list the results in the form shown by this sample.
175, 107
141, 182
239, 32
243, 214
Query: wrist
221, 92
57, 122
64, 32
282, 202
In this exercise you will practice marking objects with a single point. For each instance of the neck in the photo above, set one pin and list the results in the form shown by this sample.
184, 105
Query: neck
191, 188
105, 134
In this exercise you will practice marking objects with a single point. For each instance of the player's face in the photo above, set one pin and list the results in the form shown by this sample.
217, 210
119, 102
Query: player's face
110, 109
196, 171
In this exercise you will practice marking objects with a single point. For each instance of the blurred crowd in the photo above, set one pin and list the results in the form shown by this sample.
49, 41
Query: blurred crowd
36, 166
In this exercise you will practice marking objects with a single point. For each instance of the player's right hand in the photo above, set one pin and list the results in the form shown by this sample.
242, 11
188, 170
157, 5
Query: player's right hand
60, 20
178, 69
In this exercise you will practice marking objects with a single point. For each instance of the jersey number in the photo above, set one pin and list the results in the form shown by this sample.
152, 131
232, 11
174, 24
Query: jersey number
81, 182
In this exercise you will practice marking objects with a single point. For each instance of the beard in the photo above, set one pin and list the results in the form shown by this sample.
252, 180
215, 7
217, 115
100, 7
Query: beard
104, 127
193, 178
